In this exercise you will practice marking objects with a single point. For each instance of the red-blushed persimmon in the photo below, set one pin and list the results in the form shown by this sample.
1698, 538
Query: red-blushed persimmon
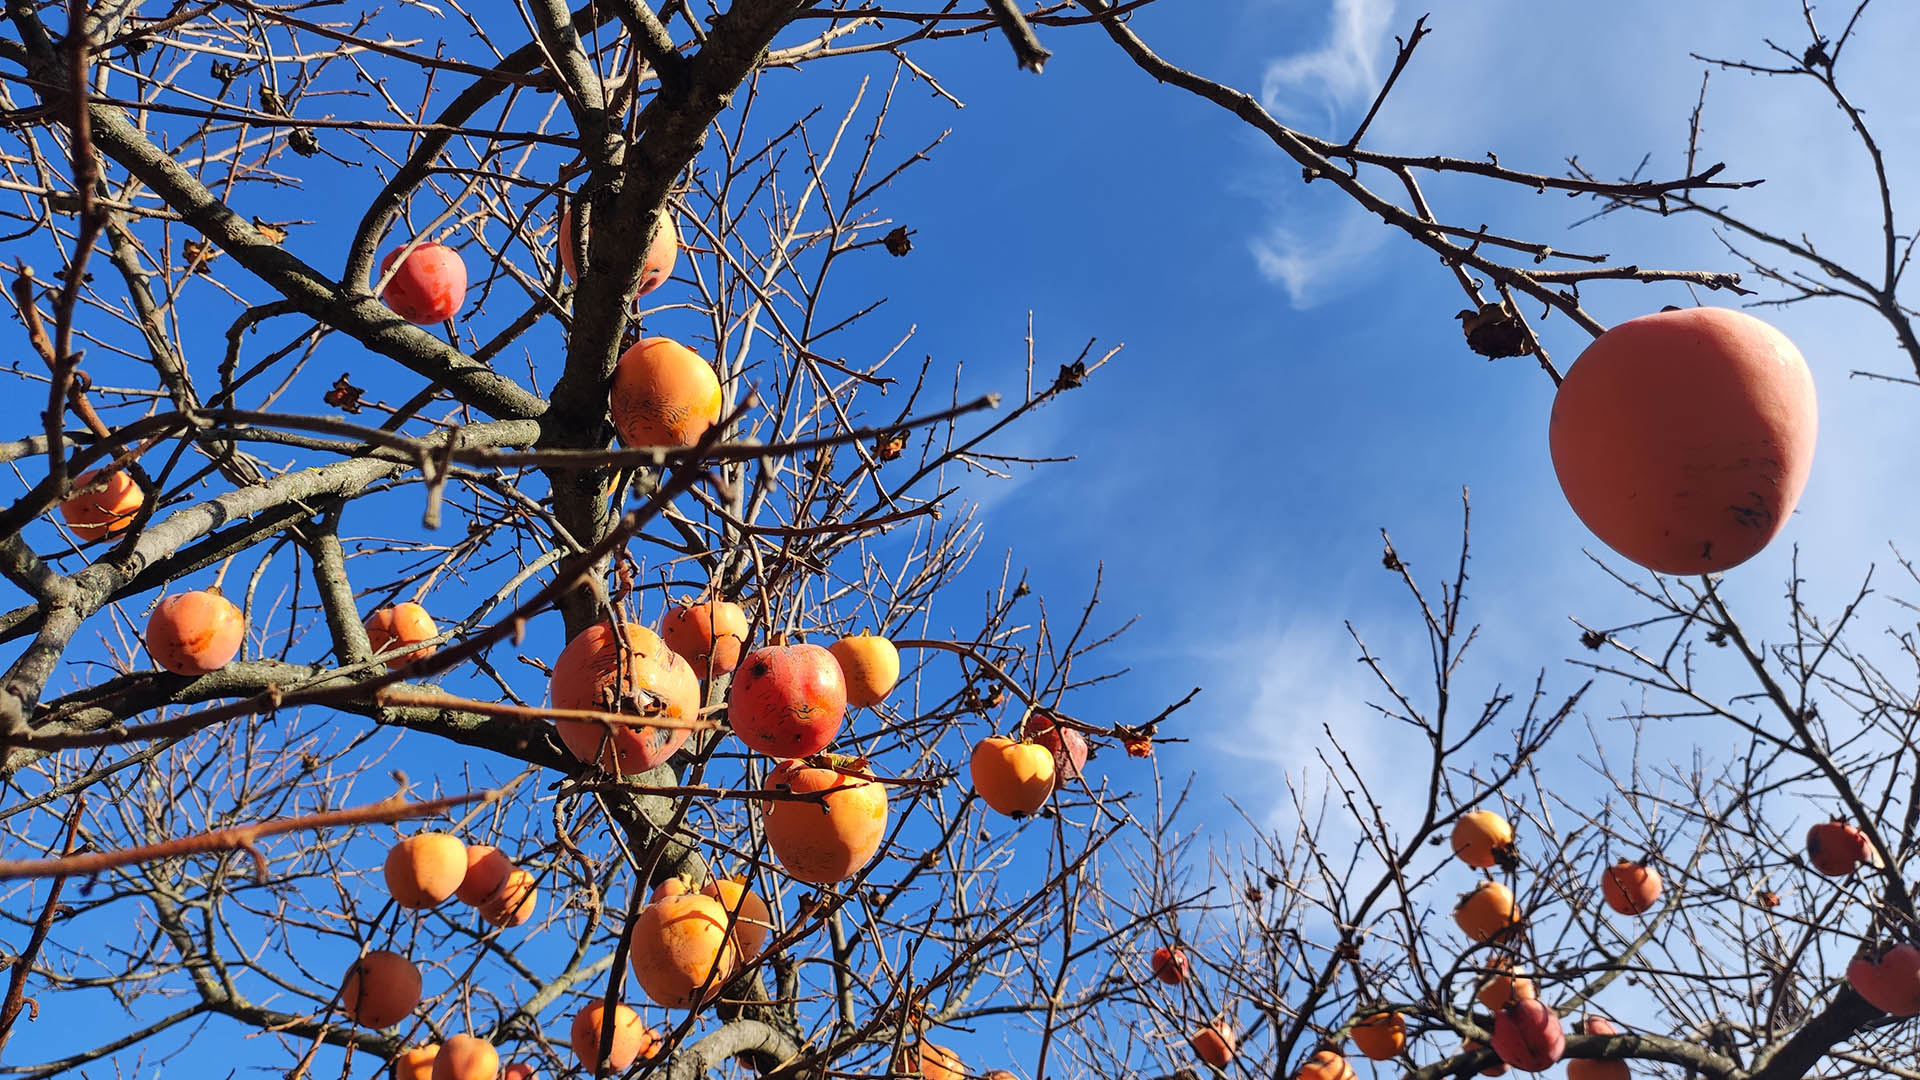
401, 624
1527, 1035
429, 287
1214, 1044
1596, 1068
787, 701
1835, 848
662, 254
195, 633
648, 673
1888, 979
1684, 438
466, 1057
1630, 888
1069, 746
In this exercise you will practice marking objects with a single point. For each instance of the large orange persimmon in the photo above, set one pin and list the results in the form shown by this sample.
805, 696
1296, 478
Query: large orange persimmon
487, 870
654, 270
680, 944
195, 633
632, 1039
380, 989
1214, 1044
931, 1061
1483, 839
1381, 1036
1504, 987
830, 840
584, 677
466, 1057
429, 286
1014, 778
752, 922
401, 624
515, 901
1684, 438
1597, 1068
1488, 912
425, 869
416, 1063
101, 506
709, 634
664, 394
1631, 888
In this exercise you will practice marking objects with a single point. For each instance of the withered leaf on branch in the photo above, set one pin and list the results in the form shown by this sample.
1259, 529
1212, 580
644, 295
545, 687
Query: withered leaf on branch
345, 396
889, 447
1494, 331
899, 241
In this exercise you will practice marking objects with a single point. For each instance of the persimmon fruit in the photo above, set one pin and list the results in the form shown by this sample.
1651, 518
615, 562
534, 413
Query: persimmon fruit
655, 269
425, 868
1015, 778
416, 1063
1488, 913
752, 921
1596, 1068
429, 286
195, 633
680, 944
709, 635
663, 394
1631, 888
380, 989
1527, 1035
1835, 848
593, 672
869, 667
1381, 1036
466, 1057
401, 624
1069, 746
1888, 979
632, 1039
787, 701
102, 506
1683, 439
1170, 965
1214, 1044
828, 841
1325, 1065
1483, 839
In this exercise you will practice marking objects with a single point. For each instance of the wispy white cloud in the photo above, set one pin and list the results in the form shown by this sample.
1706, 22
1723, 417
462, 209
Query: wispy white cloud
1339, 74
1315, 262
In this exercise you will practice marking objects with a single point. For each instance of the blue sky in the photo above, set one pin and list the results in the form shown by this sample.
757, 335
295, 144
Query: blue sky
1294, 379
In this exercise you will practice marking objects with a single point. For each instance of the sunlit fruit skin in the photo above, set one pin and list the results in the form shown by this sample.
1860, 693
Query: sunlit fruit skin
1069, 746
518, 1070
1488, 912
709, 635
662, 254
425, 868
1596, 1068
930, 1061
631, 1038
514, 903
1498, 1068
93, 514
663, 394
1631, 888
752, 922
1888, 980
195, 633
1505, 988
487, 871
1527, 1035
1169, 965
1325, 1065
1381, 1036
430, 285
827, 842
416, 1063
1214, 1044
787, 701
1482, 839
380, 989
585, 674
1683, 439
680, 944
1015, 778
466, 1057
869, 666
1835, 848
401, 624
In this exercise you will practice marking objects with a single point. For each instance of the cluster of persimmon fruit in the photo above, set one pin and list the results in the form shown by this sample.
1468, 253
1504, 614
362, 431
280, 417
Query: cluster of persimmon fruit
1885, 974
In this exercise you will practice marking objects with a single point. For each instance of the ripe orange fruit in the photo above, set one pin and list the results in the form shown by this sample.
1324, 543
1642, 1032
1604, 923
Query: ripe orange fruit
1169, 965
664, 394
1483, 839
425, 868
654, 271
1504, 987
632, 1039
787, 700
417, 1063
680, 944
655, 677
430, 285
466, 1057
1325, 1065
830, 846
752, 922
102, 505
1631, 888
401, 624
1684, 438
519, 1070
195, 633
869, 666
932, 1062
1488, 912
515, 902
380, 989
1381, 1036
487, 870
1597, 1068
1214, 1044
1014, 778
709, 635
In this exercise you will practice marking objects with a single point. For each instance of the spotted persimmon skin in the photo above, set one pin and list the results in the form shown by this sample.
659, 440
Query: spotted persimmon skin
401, 624
584, 676
662, 254
663, 394
787, 701
1683, 439
829, 841
380, 989
195, 633
430, 285
709, 635
102, 506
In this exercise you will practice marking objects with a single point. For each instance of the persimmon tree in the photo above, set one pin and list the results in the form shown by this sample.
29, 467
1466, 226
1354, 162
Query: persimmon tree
412, 549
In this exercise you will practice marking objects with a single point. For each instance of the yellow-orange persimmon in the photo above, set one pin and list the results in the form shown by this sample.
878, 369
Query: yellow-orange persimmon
1488, 912
870, 666
632, 1039
425, 869
1014, 778
1325, 1065
680, 944
101, 506
1381, 1036
487, 870
380, 989
400, 625
752, 922
664, 394
515, 901
195, 633
416, 1063
930, 1061
1482, 839
652, 679
1505, 987
466, 1057
709, 635
830, 840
